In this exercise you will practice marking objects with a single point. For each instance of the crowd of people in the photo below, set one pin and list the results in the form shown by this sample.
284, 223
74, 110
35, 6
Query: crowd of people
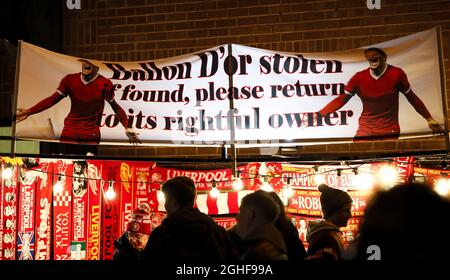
264, 233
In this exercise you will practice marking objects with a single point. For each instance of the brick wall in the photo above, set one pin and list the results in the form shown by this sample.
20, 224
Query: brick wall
151, 29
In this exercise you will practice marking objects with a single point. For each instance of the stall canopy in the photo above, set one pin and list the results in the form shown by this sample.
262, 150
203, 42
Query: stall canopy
185, 100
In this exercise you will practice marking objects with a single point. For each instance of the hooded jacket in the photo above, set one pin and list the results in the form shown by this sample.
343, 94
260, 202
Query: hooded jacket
324, 240
295, 248
265, 244
189, 235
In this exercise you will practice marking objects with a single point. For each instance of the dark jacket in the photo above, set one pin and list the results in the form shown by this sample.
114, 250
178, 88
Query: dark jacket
123, 251
240, 244
189, 235
295, 248
324, 240
265, 244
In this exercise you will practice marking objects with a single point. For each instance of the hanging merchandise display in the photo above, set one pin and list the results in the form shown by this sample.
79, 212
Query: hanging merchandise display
66, 209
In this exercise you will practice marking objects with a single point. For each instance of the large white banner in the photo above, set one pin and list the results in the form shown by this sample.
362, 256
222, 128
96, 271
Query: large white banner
186, 99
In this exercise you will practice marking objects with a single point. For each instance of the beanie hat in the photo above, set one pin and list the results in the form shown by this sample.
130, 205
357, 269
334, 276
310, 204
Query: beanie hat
140, 219
332, 199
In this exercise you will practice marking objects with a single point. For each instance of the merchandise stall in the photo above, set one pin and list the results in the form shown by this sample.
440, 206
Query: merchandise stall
228, 96
71, 209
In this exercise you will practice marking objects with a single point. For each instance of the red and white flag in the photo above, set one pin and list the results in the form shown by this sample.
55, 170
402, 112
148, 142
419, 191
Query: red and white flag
44, 211
62, 209
95, 183
224, 203
79, 210
111, 217
8, 214
28, 179
126, 185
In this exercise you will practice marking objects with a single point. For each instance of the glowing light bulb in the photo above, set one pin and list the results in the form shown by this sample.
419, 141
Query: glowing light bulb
364, 181
238, 184
319, 179
161, 197
288, 192
214, 192
266, 187
58, 187
387, 176
263, 169
442, 187
110, 194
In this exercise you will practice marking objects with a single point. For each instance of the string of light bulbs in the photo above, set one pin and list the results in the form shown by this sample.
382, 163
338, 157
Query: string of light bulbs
389, 176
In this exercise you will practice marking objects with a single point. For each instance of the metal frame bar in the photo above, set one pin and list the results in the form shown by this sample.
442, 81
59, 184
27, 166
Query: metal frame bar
440, 47
14, 105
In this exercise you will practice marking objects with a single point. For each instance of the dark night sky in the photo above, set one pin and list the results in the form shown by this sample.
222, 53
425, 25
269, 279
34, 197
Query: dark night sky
37, 22
34, 21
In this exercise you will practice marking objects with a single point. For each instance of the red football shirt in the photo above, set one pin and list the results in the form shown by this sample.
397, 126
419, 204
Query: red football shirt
380, 100
87, 104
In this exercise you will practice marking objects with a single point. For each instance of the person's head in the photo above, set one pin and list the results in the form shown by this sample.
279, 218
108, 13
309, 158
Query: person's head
376, 58
302, 223
336, 205
349, 236
179, 192
396, 219
139, 227
278, 201
88, 69
30, 162
257, 209
79, 179
294, 221
79, 166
